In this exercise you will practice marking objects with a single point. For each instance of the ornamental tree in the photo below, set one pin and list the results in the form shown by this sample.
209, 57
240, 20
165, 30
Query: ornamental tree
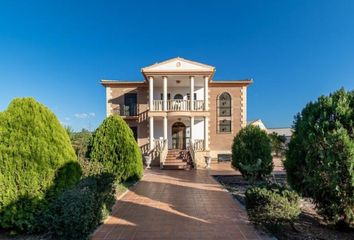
251, 153
113, 145
320, 158
37, 162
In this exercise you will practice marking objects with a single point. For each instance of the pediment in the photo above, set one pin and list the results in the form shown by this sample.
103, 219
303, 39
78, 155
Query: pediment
178, 65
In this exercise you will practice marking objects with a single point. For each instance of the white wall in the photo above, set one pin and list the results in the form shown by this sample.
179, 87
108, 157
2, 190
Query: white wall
179, 90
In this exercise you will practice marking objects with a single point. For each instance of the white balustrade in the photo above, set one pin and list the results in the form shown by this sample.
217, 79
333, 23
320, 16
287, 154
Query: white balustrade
178, 105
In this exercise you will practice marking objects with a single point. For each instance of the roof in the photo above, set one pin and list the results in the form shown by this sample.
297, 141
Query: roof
121, 82
287, 132
178, 64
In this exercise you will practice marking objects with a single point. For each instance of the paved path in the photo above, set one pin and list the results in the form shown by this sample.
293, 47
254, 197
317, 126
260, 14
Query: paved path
177, 205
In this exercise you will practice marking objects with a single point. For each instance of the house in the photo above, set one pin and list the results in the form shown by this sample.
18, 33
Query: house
285, 131
179, 111
258, 123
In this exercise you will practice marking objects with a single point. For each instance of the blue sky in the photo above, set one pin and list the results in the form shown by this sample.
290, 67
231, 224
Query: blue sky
57, 51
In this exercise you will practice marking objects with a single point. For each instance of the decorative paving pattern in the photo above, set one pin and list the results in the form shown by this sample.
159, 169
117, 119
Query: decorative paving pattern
177, 205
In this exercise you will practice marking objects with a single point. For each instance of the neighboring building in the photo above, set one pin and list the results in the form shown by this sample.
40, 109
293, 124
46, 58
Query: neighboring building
286, 132
179, 108
258, 123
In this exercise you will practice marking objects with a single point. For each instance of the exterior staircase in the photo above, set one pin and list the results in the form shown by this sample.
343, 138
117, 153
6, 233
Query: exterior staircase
177, 159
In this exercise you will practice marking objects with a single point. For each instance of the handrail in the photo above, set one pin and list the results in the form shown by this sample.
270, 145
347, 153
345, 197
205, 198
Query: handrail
198, 144
192, 152
163, 152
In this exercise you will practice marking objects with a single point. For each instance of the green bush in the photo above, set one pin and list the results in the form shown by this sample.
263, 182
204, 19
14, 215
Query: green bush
37, 161
80, 209
113, 145
272, 205
320, 158
251, 153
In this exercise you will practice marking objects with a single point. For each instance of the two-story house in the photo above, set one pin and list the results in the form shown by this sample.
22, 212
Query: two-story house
179, 110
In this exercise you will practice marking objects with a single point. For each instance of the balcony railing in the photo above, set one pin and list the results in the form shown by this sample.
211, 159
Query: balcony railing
127, 110
178, 105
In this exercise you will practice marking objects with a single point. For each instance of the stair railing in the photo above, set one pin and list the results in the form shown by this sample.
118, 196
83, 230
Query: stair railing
163, 152
192, 152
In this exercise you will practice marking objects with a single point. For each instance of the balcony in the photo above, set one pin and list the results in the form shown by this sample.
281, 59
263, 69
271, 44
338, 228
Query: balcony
179, 105
130, 110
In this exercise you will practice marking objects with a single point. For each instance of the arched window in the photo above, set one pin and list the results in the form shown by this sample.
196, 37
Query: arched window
224, 113
178, 97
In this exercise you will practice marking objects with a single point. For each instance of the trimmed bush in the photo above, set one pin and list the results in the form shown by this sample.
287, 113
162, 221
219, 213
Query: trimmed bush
272, 205
79, 210
37, 161
251, 153
113, 145
320, 159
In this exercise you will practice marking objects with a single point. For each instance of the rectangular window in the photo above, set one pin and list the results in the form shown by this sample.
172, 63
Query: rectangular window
135, 132
168, 96
225, 126
224, 157
189, 96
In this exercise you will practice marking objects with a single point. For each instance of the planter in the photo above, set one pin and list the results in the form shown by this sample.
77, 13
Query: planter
207, 161
147, 158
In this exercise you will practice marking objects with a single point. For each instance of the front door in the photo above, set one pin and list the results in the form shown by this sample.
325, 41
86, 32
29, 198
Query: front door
178, 135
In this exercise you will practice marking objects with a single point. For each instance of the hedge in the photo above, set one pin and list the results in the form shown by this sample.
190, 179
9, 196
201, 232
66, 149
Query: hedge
272, 205
37, 161
80, 209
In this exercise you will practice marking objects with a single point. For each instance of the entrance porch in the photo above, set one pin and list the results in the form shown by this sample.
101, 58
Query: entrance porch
181, 140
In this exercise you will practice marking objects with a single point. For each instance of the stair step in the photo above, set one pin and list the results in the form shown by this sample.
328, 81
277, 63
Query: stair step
174, 167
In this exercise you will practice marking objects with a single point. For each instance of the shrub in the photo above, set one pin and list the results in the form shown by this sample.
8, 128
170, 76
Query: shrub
78, 210
251, 153
272, 205
37, 161
320, 158
113, 145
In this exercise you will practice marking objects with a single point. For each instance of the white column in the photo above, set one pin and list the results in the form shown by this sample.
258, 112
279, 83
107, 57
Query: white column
165, 128
206, 133
192, 92
192, 130
151, 133
164, 93
206, 93
151, 93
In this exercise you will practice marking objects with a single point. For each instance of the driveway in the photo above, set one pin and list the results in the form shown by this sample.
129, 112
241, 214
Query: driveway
177, 205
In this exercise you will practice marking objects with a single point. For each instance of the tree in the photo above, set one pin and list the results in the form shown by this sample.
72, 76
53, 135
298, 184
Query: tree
113, 145
37, 162
251, 153
278, 142
320, 159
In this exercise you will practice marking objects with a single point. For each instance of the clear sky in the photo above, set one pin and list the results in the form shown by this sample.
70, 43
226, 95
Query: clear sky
57, 51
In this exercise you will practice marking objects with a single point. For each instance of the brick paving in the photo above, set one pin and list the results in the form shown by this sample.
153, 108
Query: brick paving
178, 205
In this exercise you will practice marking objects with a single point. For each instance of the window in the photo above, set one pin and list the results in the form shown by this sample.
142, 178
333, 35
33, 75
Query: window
224, 125
135, 132
189, 96
168, 96
224, 157
224, 113
178, 96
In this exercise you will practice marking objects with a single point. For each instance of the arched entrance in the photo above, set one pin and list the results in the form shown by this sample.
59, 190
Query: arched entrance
178, 135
